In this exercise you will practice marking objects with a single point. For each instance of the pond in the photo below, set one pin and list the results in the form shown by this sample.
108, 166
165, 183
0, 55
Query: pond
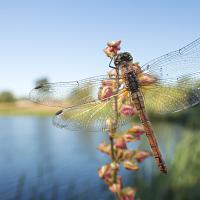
39, 161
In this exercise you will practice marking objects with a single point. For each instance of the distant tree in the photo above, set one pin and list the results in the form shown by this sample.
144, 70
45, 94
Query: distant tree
7, 96
41, 81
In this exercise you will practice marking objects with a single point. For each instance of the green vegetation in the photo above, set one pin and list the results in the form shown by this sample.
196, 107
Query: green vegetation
7, 96
188, 118
41, 81
10, 105
182, 181
25, 108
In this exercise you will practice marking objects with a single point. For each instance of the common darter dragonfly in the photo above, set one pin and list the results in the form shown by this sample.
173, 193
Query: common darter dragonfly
169, 83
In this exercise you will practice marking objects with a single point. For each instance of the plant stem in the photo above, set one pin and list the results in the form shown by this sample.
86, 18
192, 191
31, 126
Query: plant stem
112, 148
112, 132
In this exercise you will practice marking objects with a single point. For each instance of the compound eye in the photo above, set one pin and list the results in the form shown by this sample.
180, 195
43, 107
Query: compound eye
128, 56
123, 58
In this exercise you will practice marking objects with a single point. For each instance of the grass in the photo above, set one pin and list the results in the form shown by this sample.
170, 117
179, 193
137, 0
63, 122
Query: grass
183, 180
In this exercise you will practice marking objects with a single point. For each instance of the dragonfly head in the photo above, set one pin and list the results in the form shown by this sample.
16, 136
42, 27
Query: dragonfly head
123, 59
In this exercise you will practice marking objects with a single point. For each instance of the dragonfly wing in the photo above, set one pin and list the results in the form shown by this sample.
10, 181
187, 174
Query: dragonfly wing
176, 63
67, 94
173, 95
91, 116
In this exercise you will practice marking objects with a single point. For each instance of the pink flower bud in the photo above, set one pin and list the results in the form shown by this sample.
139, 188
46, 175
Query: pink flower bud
124, 154
107, 83
128, 110
129, 137
120, 143
112, 48
137, 130
108, 51
114, 44
112, 73
103, 170
130, 165
104, 148
136, 68
147, 79
106, 92
141, 155
128, 194
114, 166
116, 187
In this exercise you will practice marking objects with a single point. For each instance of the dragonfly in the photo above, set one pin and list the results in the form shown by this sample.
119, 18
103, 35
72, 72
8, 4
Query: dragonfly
173, 84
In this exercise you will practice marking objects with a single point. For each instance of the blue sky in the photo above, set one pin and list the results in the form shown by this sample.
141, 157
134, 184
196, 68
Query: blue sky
63, 40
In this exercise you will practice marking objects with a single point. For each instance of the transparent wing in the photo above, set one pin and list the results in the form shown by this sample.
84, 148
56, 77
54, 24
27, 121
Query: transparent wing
173, 95
177, 63
67, 94
92, 116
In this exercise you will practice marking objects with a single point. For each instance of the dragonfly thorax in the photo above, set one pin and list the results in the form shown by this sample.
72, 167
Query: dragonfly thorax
131, 81
123, 59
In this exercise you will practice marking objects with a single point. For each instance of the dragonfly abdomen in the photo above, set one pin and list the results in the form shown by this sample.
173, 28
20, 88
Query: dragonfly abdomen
137, 98
152, 141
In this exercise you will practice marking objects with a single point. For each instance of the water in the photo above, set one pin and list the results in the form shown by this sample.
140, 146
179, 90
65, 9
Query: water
39, 161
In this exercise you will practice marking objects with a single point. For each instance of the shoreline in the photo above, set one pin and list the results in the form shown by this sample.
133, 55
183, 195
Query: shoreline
26, 108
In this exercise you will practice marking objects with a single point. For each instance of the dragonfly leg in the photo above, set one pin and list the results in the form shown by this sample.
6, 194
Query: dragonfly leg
111, 65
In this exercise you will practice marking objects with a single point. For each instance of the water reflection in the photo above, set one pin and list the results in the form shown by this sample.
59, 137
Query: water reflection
39, 161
